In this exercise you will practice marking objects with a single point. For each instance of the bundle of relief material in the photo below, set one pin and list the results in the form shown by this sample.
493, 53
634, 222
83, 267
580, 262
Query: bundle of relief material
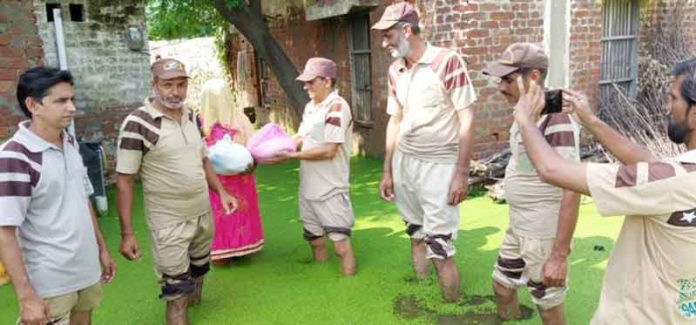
268, 142
229, 158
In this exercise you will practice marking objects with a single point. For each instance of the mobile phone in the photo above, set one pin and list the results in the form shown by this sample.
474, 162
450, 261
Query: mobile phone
554, 101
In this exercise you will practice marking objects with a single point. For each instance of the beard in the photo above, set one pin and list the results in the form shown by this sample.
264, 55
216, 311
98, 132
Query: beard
677, 132
171, 103
402, 49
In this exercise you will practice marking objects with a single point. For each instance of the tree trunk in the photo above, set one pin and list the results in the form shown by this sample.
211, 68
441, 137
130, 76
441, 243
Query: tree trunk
250, 23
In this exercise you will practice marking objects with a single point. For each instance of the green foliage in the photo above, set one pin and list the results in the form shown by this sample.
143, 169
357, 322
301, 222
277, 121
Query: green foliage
175, 19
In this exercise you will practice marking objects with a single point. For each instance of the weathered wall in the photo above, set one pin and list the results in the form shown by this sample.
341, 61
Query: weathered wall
479, 30
667, 18
110, 79
20, 48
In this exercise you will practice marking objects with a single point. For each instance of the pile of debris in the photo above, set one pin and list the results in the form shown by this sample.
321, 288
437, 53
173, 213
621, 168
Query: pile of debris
490, 171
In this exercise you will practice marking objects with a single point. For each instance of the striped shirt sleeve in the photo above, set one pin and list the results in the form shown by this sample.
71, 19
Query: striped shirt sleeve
338, 119
139, 133
454, 75
393, 105
642, 189
20, 171
563, 134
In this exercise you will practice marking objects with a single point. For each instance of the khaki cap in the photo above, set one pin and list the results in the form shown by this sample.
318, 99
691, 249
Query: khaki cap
396, 13
168, 69
518, 56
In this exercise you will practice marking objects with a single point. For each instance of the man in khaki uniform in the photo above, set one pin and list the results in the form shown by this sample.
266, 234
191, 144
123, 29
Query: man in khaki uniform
162, 142
325, 135
542, 217
428, 142
651, 275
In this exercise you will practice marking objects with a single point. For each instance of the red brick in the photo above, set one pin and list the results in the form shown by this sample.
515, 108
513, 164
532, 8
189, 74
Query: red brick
5, 39
477, 33
501, 16
6, 51
6, 86
13, 63
34, 42
468, 7
34, 52
489, 24
476, 51
472, 16
6, 74
488, 7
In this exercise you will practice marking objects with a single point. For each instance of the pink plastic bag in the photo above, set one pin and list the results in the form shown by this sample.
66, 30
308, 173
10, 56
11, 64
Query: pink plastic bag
268, 142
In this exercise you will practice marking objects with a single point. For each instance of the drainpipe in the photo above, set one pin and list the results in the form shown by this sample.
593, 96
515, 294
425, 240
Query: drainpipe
62, 57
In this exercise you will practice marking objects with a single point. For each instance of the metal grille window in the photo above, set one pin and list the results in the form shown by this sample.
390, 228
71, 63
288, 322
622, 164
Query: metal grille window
359, 41
619, 65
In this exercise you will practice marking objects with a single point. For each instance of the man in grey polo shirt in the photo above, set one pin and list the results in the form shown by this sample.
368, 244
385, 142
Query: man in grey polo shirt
50, 241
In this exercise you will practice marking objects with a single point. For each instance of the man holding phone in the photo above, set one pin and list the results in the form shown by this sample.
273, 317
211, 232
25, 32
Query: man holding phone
542, 216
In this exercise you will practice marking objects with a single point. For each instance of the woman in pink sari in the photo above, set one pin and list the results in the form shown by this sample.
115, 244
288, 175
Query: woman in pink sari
240, 232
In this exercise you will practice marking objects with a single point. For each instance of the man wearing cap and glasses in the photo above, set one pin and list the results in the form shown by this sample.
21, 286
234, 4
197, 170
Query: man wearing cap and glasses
162, 142
428, 142
325, 136
542, 217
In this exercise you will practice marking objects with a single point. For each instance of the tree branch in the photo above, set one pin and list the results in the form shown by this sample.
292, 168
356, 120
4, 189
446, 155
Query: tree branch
255, 6
227, 13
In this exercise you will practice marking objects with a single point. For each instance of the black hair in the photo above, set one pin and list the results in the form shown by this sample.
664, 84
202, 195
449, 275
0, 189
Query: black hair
687, 69
36, 82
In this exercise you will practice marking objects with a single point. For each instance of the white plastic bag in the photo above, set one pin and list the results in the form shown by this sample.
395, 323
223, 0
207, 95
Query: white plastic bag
229, 158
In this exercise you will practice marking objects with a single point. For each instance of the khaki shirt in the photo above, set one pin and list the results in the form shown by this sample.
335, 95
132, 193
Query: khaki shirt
169, 157
429, 95
651, 275
327, 122
533, 204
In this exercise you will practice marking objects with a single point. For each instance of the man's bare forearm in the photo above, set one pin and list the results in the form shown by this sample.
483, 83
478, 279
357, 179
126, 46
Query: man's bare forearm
124, 202
466, 140
97, 230
391, 139
11, 257
322, 152
625, 150
567, 219
211, 177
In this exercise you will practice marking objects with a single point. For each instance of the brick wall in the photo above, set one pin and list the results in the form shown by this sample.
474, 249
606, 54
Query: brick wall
20, 48
585, 47
479, 30
663, 16
302, 40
